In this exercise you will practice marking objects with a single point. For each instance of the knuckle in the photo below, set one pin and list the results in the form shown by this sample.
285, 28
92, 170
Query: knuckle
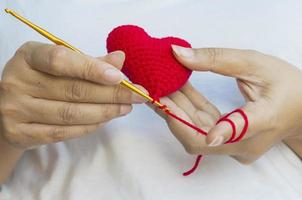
10, 81
57, 134
22, 50
9, 109
120, 95
8, 84
56, 57
76, 91
11, 134
69, 113
87, 71
213, 54
11, 106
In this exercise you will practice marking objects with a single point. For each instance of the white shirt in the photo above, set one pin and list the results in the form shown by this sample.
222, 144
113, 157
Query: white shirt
136, 157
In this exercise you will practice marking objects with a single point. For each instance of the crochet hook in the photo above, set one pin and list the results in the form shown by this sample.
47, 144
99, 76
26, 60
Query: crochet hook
59, 41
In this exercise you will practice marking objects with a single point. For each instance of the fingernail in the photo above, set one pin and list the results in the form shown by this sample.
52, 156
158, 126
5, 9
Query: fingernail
222, 130
218, 140
183, 51
117, 56
125, 110
113, 75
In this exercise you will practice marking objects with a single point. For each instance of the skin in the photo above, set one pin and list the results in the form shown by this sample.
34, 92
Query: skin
273, 94
50, 94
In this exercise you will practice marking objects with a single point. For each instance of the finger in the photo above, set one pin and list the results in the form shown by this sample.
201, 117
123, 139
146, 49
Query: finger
76, 90
61, 61
38, 134
257, 122
243, 64
64, 113
115, 58
199, 117
193, 142
199, 101
161, 112
83, 91
157, 110
190, 139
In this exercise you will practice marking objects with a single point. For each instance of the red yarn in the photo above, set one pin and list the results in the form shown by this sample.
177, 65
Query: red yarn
244, 130
225, 118
196, 164
232, 125
186, 123
150, 62
232, 138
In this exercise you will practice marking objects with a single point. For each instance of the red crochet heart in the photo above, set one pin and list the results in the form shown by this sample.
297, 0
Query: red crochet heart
149, 61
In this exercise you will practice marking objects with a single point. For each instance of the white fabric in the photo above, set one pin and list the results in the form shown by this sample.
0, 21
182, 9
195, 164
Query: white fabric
136, 157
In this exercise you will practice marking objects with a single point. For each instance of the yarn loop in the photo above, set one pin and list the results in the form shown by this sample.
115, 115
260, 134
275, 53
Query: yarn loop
225, 118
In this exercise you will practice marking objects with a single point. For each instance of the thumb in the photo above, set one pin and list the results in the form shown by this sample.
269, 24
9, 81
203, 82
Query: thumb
115, 58
232, 127
229, 62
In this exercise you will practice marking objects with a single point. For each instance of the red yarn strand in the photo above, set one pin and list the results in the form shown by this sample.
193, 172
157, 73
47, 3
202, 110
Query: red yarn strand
225, 118
196, 164
186, 123
233, 128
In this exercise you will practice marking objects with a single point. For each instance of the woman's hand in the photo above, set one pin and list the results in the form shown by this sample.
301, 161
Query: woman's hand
191, 106
50, 93
271, 87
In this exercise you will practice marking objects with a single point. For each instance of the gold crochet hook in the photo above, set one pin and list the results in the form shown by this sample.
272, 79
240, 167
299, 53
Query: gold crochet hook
59, 41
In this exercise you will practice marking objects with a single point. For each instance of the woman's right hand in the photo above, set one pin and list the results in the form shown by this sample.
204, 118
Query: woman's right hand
50, 93
273, 93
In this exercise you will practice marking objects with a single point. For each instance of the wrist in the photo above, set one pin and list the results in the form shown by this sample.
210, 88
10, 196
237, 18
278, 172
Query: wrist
9, 156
